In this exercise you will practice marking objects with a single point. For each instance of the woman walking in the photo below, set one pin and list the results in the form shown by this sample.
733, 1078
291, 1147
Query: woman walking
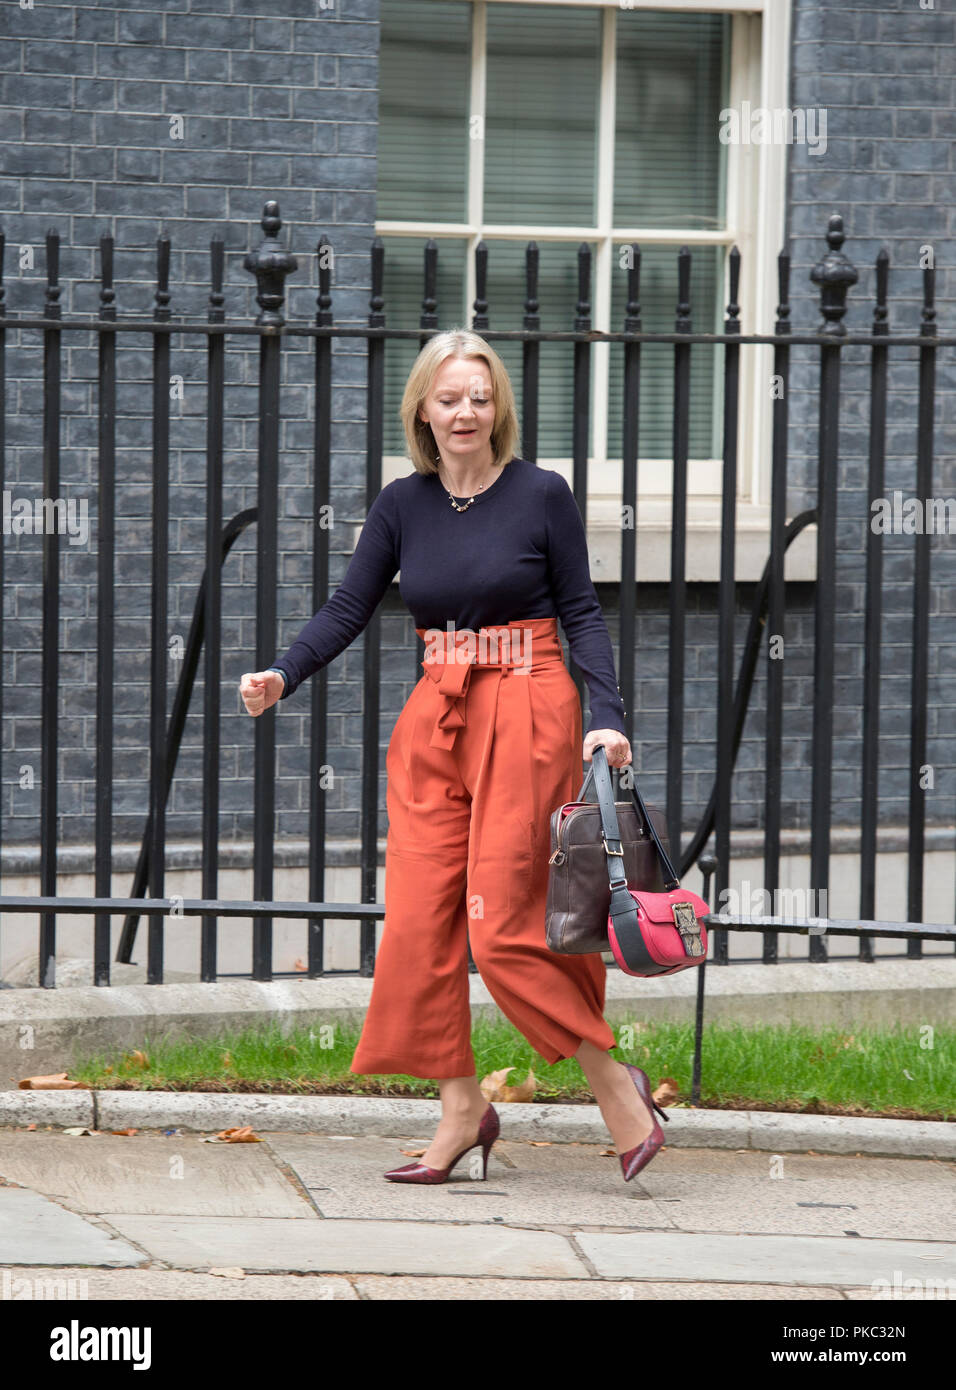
491, 552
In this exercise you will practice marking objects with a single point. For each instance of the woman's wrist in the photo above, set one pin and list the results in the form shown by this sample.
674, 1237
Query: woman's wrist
285, 678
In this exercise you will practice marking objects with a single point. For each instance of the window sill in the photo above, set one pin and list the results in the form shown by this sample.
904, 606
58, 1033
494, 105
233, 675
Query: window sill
703, 543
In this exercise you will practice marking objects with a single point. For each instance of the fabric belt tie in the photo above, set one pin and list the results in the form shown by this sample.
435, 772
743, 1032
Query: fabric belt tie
451, 670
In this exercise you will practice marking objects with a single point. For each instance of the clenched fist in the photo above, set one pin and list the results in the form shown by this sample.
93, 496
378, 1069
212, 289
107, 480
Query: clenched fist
260, 690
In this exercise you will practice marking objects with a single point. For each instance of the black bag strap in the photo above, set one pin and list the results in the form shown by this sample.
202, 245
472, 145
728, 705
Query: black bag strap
599, 774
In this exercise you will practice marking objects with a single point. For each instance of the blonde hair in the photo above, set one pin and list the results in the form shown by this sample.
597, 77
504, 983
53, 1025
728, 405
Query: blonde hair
462, 343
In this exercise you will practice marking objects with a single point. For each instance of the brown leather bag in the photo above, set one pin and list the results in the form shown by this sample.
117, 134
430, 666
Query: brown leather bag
579, 894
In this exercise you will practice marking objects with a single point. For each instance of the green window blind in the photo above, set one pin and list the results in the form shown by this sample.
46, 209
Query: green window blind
424, 87
672, 83
541, 126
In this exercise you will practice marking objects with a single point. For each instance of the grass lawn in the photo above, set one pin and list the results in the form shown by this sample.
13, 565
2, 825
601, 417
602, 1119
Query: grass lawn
903, 1073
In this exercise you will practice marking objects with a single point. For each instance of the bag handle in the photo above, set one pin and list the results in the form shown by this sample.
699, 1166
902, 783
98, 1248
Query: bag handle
599, 773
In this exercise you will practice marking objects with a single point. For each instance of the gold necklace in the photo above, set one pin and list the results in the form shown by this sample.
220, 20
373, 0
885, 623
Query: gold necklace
457, 508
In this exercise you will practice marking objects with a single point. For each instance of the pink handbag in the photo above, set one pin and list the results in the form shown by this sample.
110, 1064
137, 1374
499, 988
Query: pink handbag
649, 933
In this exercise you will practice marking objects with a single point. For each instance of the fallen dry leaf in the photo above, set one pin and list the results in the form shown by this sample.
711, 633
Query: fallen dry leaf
136, 1058
667, 1091
31, 1126
540, 1143
608, 1153
233, 1272
123, 1131
55, 1082
490, 1085
239, 1135
520, 1093
493, 1087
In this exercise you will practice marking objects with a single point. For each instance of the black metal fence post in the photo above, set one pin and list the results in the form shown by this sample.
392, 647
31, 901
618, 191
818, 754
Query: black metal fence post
678, 586
371, 658
581, 419
629, 481
50, 695
834, 274
159, 610
776, 603
921, 597
270, 264
873, 620
105, 612
319, 696
727, 599
212, 683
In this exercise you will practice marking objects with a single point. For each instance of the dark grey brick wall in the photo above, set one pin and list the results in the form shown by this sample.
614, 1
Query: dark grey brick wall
885, 73
271, 107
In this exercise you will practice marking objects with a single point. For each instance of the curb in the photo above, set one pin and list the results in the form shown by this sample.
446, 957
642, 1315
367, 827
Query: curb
772, 1131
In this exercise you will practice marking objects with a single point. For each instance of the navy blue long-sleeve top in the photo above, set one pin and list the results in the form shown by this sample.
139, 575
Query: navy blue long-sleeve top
518, 552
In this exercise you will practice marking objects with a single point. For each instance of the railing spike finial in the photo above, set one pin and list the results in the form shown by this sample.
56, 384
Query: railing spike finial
323, 301
532, 256
582, 321
51, 308
632, 309
783, 290
107, 293
376, 302
733, 308
162, 295
270, 264
429, 316
217, 268
880, 311
835, 273
479, 320
927, 325
683, 321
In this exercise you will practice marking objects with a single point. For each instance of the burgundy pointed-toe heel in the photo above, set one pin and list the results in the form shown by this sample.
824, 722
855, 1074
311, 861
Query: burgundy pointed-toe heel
488, 1132
639, 1157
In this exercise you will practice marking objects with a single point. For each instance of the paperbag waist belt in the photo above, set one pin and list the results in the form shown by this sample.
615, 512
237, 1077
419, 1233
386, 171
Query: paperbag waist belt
452, 653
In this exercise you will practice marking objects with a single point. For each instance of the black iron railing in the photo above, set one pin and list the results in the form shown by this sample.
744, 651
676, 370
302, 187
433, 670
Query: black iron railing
272, 264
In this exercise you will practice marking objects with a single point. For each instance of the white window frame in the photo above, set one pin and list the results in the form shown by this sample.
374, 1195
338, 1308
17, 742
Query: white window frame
755, 201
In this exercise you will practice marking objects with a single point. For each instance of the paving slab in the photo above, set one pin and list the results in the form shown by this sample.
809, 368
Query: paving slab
77, 1283
173, 1175
749, 1259
595, 1290
361, 1247
803, 1194
578, 1185
549, 1185
34, 1230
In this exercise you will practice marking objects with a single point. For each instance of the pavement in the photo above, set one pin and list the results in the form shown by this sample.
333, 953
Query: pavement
307, 1215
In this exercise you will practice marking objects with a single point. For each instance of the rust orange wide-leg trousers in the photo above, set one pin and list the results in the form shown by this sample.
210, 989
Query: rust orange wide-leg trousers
486, 747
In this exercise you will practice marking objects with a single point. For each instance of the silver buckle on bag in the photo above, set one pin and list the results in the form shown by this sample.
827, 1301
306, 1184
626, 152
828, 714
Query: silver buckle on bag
685, 920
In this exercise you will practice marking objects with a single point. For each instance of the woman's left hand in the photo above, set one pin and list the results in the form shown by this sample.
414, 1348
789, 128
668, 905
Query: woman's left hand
616, 746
